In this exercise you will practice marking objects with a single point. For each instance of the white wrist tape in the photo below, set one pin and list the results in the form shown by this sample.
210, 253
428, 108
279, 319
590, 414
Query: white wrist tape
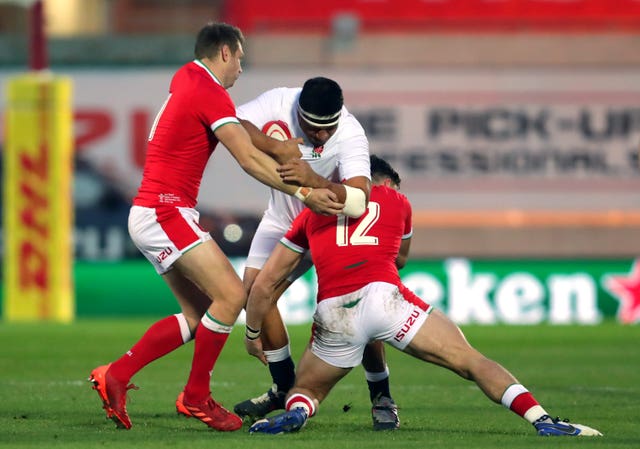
303, 193
251, 334
355, 202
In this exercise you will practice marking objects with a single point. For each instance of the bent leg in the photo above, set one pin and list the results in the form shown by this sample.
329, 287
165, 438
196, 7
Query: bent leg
373, 359
376, 370
209, 269
315, 378
193, 301
384, 411
441, 342
167, 334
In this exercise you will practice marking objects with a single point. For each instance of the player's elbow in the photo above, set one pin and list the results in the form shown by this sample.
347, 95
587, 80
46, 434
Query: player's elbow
249, 163
355, 202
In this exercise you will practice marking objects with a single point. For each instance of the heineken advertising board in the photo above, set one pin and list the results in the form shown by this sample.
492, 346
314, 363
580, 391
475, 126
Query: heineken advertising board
517, 292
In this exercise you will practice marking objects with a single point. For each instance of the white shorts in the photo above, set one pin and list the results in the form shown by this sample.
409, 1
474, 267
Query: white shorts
163, 234
343, 325
265, 239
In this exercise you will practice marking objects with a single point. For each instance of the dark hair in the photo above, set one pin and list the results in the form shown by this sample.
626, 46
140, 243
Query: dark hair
382, 169
213, 36
321, 97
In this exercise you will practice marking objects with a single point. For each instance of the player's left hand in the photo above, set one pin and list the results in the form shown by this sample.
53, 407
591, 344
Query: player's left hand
297, 171
254, 348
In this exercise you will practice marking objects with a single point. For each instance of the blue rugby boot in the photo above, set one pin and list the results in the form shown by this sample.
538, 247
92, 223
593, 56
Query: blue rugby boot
290, 421
547, 426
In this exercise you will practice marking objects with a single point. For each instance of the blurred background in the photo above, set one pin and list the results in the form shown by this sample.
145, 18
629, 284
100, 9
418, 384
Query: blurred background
514, 124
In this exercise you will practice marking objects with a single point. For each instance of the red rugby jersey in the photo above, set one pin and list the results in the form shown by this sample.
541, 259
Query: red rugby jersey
182, 139
350, 253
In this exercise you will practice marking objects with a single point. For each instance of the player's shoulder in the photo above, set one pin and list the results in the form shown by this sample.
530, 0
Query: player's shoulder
349, 119
349, 126
282, 94
381, 192
195, 78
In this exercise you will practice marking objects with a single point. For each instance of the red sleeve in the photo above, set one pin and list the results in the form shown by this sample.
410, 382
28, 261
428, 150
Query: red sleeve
296, 237
223, 112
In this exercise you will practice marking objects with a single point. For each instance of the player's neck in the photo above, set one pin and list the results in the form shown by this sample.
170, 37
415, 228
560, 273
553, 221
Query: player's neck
212, 67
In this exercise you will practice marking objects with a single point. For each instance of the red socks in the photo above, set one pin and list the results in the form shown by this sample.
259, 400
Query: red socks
160, 339
211, 337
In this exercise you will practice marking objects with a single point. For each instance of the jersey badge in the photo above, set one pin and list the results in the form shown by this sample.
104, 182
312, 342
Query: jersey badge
317, 152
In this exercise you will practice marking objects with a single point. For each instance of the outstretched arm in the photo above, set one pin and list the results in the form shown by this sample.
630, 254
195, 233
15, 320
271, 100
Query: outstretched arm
263, 168
262, 297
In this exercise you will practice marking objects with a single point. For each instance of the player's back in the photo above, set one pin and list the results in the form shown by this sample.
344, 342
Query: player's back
350, 253
181, 139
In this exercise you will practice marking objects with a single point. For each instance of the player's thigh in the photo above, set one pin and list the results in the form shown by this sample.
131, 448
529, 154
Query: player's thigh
441, 341
211, 271
317, 376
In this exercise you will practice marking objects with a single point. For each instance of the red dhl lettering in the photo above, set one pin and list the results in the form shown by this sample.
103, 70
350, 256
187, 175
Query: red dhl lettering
33, 215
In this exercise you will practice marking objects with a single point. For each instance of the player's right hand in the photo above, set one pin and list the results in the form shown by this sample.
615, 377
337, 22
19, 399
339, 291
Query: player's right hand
254, 348
288, 150
324, 202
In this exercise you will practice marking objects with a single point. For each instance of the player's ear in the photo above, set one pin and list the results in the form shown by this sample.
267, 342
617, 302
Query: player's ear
225, 53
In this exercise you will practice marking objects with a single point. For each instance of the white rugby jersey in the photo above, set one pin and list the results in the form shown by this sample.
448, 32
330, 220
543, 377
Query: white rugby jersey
344, 156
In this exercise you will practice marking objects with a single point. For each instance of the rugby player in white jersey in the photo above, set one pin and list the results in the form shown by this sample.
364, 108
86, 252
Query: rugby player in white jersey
336, 151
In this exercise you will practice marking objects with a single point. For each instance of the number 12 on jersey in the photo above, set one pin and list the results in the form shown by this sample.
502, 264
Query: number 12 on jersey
360, 233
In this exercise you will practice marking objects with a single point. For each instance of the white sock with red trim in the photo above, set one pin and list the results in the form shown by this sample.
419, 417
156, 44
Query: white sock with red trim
302, 401
519, 400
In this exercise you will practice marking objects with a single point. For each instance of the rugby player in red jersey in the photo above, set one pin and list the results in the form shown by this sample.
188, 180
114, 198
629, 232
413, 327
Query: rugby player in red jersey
361, 298
163, 223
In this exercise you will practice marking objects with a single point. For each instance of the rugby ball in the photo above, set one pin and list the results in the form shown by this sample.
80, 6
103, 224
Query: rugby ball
277, 129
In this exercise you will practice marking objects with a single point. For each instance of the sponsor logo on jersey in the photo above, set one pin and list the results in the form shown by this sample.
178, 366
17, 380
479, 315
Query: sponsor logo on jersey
406, 327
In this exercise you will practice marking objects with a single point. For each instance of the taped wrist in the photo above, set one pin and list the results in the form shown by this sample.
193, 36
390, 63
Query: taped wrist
355, 202
303, 193
251, 334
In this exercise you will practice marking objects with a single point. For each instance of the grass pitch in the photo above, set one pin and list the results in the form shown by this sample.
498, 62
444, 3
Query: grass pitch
589, 374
